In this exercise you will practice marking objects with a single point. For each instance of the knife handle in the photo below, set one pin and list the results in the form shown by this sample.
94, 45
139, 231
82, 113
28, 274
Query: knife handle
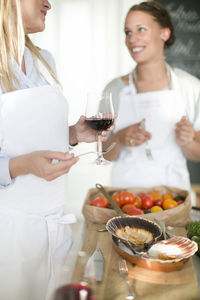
195, 207
131, 294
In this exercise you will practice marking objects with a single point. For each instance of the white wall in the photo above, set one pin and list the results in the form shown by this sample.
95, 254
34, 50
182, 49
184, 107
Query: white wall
87, 40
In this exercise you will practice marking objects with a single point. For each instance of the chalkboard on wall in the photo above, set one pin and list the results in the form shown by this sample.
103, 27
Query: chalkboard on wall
185, 53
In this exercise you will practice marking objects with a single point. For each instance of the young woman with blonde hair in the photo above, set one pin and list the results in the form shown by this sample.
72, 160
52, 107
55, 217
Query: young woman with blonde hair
34, 136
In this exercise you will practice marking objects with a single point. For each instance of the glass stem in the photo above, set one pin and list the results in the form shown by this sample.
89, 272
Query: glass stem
99, 146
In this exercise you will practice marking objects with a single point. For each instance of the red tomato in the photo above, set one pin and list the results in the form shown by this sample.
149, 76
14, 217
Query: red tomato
126, 198
180, 202
130, 209
158, 202
142, 194
100, 202
137, 202
117, 197
147, 201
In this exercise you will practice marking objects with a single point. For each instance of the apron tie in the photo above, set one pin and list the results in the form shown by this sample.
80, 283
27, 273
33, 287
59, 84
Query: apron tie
65, 219
52, 222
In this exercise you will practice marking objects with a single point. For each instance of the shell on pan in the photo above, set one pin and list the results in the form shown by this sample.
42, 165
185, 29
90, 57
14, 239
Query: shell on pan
174, 249
137, 236
138, 231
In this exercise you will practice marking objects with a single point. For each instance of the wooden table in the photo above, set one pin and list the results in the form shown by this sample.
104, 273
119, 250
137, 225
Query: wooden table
148, 285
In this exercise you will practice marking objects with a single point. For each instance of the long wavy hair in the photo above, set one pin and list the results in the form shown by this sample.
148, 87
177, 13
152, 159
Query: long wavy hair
13, 41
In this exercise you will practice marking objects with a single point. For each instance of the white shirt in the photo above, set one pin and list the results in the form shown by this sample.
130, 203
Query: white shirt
32, 78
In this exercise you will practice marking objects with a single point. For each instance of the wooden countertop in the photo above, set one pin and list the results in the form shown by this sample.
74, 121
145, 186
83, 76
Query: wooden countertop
148, 285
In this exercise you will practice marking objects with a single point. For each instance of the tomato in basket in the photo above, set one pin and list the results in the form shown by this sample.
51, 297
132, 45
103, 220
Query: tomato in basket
167, 196
169, 203
127, 198
180, 202
156, 208
147, 201
143, 194
117, 197
137, 202
130, 209
158, 202
158, 199
156, 196
100, 202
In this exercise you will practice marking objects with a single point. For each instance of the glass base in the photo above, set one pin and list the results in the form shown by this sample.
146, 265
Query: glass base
100, 161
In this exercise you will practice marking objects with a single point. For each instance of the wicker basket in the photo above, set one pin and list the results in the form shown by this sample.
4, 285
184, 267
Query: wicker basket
178, 216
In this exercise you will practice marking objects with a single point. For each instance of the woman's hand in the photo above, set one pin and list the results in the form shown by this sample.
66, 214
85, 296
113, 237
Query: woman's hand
185, 132
130, 136
45, 164
81, 132
133, 135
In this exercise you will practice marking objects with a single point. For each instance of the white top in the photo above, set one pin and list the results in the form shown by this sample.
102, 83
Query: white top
190, 91
165, 108
31, 79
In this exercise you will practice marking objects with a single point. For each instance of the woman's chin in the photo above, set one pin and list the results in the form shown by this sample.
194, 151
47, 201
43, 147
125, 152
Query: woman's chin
38, 28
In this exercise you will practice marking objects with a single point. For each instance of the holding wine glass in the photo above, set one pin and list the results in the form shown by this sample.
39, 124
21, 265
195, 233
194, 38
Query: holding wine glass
99, 116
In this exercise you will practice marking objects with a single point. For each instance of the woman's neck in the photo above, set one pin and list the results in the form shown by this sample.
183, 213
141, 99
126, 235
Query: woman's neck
152, 71
151, 77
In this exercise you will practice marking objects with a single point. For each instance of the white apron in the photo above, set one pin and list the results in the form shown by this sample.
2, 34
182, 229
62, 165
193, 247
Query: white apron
161, 109
35, 237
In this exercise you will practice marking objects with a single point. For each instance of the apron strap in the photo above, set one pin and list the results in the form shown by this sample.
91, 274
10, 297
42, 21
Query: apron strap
46, 74
130, 79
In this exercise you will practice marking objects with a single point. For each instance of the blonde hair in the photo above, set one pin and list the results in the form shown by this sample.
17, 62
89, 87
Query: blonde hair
13, 41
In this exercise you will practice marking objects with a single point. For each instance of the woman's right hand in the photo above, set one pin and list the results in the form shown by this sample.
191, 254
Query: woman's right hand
45, 164
130, 136
133, 135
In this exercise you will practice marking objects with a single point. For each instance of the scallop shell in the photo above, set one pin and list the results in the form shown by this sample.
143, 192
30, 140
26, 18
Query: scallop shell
174, 249
141, 233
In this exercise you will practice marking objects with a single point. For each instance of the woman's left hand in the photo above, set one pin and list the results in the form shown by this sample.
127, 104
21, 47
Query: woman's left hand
81, 132
184, 131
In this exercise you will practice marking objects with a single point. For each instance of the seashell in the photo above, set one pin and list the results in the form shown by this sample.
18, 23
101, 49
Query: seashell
174, 249
137, 236
140, 233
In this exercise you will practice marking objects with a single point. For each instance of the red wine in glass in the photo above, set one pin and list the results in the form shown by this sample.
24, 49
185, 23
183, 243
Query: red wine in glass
72, 292
100, 117
100, 124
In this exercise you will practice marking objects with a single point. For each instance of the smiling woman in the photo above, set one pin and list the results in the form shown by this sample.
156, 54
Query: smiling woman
145, 36
163, 98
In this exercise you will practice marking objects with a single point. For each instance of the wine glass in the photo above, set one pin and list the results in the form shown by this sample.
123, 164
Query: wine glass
78, 287
99, 116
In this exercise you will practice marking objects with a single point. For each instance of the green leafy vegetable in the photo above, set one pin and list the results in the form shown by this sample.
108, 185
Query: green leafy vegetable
193, 232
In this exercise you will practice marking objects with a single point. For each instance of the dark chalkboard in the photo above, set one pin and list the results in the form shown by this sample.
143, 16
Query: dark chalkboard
185, 53
194, 170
